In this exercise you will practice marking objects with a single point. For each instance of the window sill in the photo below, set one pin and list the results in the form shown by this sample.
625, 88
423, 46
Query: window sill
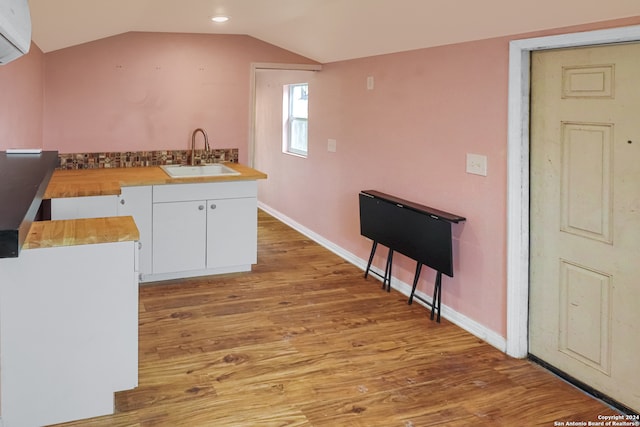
289, 153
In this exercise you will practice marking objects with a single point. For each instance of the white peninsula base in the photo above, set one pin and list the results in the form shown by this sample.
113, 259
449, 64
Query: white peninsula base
68, 332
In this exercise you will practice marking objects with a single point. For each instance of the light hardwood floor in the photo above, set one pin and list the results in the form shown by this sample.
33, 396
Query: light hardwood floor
305, 340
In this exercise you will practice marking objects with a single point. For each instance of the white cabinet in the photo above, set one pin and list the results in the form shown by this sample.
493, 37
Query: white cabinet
231, 232
186, 230
204, 228
179, 240
136, 202
68, 330
84, 207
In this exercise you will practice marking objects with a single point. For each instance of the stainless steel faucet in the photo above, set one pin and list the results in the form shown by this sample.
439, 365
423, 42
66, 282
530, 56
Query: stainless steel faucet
193, 144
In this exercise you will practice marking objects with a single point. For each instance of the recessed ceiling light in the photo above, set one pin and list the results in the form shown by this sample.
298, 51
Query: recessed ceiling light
220, 19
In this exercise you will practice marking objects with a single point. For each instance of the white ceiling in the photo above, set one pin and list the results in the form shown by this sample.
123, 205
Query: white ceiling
323, 30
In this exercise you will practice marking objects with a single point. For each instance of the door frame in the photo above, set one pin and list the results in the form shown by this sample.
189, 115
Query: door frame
518, 169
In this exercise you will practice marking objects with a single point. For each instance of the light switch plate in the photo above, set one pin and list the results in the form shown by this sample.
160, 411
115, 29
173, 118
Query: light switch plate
477, 164
331, 145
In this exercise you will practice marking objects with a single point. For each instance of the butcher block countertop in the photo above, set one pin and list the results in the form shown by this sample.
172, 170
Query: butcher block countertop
104, 182
49, 234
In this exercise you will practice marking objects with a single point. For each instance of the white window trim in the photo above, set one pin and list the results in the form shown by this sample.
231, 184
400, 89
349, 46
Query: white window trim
287, 125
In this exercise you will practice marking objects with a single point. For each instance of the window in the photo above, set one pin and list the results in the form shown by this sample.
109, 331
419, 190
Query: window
296, 114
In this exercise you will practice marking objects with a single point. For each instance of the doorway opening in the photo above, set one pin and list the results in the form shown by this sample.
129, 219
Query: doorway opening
252, 92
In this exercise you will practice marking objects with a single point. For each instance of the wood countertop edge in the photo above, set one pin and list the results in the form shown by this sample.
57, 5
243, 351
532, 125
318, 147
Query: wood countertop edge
106, 182
85, 231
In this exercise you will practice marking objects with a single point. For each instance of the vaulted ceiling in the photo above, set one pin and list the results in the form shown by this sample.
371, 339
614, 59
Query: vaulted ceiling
322, 30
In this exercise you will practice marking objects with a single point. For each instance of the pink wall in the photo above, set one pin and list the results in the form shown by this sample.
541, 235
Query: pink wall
21, 97
407, 137
149, 91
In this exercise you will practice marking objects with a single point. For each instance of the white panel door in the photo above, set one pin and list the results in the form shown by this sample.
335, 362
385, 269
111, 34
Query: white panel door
585, 216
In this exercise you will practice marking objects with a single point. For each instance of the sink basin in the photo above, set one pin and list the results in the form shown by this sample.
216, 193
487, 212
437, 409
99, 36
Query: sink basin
183, 171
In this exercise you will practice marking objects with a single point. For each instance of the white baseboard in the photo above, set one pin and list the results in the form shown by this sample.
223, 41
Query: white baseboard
451, 315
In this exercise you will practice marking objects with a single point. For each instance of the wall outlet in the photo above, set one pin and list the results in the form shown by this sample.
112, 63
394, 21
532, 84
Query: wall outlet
331, 145
477, 164
370, 83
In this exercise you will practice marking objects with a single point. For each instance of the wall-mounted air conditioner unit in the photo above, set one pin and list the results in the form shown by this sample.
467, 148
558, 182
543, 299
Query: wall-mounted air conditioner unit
15, 29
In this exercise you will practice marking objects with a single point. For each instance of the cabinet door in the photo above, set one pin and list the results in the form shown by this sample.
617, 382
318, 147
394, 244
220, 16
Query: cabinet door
232, 232
136, 202
179, 239
84, 207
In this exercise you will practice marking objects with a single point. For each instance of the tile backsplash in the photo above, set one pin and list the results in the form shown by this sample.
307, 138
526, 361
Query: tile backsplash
131, 159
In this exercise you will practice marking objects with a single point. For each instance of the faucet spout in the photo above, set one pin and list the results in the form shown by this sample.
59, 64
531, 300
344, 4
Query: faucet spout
193, 144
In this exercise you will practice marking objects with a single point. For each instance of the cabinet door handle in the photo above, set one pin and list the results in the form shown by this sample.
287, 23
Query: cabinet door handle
201, 207
213, 206
122, 202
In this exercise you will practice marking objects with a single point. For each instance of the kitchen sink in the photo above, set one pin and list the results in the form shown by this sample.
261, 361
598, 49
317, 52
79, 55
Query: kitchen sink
185, 171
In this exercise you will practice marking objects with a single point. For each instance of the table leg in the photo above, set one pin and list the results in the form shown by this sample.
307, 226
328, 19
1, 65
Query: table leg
386, 283
435, 304
415, 282
373, 252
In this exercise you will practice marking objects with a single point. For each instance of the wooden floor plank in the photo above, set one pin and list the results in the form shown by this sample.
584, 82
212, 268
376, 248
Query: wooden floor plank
304, 340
